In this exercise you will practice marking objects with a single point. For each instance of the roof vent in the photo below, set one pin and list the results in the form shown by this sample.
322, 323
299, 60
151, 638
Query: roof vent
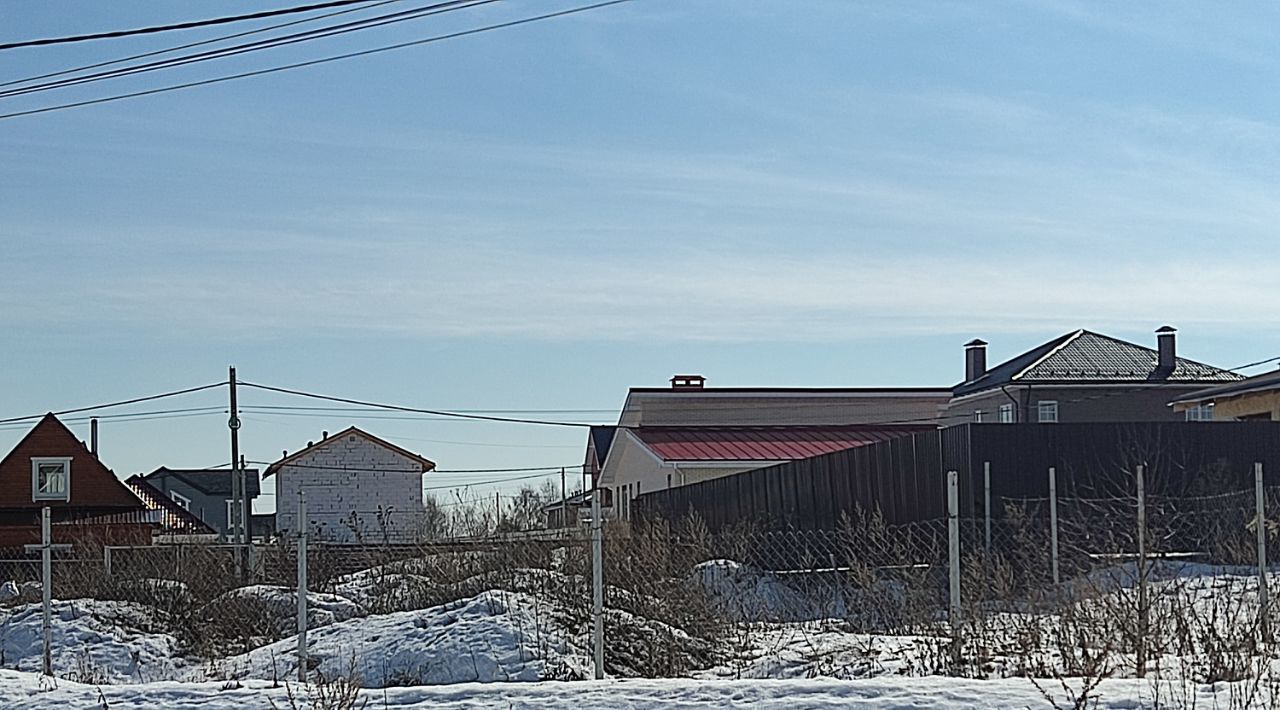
687, 382
324, 435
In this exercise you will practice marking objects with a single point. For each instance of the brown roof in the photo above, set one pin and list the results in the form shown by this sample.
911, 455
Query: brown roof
93, 485
427, 464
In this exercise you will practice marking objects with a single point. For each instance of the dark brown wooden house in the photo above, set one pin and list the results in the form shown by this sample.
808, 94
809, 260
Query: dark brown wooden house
89, 506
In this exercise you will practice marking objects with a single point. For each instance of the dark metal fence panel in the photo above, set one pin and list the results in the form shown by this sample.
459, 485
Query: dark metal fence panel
904, 478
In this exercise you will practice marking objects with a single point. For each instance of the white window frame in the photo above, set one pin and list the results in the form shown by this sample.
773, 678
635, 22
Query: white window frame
1047, 406
979, 416
230, 520
1200, 413
183, 501
36, 463
1007, 415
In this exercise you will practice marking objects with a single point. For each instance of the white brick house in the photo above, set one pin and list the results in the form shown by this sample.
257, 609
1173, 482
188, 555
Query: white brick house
358, 487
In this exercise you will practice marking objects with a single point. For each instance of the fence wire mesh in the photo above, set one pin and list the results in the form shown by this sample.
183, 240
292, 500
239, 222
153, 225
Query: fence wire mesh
1179, 594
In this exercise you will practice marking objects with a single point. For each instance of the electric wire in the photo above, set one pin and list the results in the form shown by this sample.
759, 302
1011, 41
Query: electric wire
181, 25
257, 46
190, 45
314, 62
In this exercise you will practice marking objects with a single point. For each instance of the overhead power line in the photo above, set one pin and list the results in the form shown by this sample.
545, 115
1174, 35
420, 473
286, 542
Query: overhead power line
398, 408
314, 62
121, 403
257, 46
181, 25
189, 45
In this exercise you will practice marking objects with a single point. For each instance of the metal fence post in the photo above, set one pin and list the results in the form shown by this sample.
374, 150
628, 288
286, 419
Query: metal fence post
1143, 611
986, 498
1053, 525
302, 587
597, 585
46, 572
1260, 522
953, 549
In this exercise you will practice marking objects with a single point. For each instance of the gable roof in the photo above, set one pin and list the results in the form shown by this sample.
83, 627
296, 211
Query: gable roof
426, 464
1085, 357
209, 481
174, 518
601, 440
1265, 382
93, 485
761, 443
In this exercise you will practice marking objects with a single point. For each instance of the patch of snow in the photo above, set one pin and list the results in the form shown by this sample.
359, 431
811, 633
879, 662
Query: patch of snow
495, 636
98, 641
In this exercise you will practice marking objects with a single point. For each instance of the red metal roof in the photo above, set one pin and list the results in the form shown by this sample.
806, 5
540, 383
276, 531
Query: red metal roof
761, 443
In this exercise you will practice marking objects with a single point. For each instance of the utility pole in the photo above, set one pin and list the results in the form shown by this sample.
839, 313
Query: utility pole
234, 523
564, 500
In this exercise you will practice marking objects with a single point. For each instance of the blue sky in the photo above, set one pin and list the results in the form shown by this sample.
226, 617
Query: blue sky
831, 193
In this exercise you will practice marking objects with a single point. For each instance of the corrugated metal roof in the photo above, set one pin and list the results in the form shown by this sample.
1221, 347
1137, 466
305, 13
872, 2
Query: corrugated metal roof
761, 443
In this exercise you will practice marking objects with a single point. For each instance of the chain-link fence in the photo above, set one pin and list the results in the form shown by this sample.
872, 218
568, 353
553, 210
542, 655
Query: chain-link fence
1060, 586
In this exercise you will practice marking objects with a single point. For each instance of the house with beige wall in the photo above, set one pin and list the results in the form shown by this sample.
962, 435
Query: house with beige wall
1255, 398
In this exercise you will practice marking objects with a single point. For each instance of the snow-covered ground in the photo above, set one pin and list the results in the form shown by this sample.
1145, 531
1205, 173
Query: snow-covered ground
28, 690
510, 645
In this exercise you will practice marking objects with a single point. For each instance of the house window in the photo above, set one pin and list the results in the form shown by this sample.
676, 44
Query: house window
180, 499
1200, 413
978, 415
1006, 414
230, 520
1047, 411
50, 479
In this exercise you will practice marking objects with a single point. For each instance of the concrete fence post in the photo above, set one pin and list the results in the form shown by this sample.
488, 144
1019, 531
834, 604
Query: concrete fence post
46, 574
1143, 610
986, 501
1260, 522
1053, 525
597, 585
302, 587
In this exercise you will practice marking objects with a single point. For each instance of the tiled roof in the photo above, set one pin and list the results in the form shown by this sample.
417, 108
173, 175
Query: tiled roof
1088, 357
761, 443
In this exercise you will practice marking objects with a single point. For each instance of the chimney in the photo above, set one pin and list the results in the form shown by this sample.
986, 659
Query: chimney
93, 436
687, 382
324, 435
1166, 339
975, 359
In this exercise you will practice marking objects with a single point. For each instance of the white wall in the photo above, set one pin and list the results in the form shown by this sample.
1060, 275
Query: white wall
351, 475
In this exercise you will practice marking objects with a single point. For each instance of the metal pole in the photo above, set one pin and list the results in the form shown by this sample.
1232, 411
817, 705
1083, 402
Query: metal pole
93, 436
302, 587
564, 500
597, 585
1053, 524
986, 497
233, 423
953, 547
46, 572
1141, 655
1260, 522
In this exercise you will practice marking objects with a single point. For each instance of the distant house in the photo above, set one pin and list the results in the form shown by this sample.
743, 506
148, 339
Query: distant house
206, 493
1080, 377
689, 432
358, 488
646, 459
176, 522
89, 506
1255, 398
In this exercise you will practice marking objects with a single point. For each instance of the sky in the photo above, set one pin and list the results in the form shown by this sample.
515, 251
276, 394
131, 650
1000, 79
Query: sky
533, 219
